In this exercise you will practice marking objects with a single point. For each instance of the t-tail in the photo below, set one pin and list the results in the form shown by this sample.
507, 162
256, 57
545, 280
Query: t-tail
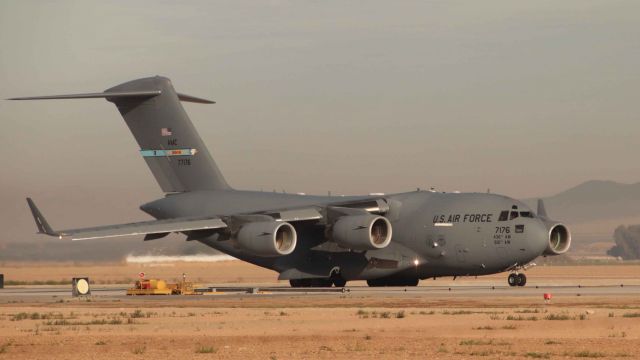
168, 141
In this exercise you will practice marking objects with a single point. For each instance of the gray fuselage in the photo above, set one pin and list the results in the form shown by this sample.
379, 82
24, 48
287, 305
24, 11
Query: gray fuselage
434, 234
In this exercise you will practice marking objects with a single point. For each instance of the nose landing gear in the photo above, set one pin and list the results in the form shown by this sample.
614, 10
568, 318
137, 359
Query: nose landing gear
517, 279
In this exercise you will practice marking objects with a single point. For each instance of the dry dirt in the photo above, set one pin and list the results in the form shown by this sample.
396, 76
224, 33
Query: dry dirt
332, 326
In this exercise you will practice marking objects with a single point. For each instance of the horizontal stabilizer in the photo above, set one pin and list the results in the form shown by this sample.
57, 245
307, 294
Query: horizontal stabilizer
140, 228
122, 94
193, 99
116, 95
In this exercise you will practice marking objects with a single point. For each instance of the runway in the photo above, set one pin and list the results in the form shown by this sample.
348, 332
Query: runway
115, 292
248, 314
245, 320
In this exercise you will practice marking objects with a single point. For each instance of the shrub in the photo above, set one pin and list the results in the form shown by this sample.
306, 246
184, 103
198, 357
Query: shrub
631, 315
206, 350
537, 355
558, 317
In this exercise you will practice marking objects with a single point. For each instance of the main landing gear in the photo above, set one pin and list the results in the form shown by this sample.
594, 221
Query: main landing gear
517, 279
335, 280
393, 282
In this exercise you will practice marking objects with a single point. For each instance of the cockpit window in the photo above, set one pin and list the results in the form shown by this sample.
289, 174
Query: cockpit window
510, 215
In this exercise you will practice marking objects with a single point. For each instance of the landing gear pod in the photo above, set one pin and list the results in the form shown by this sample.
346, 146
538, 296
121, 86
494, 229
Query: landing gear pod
268, 238
362, 232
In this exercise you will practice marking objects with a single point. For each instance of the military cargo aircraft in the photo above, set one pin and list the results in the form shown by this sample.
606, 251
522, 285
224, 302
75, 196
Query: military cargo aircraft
320, 241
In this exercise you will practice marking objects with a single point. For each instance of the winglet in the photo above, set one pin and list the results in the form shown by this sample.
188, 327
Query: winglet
541, 210
41, 222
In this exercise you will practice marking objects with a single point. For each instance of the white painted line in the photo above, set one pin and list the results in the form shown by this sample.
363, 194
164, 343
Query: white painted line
443, 224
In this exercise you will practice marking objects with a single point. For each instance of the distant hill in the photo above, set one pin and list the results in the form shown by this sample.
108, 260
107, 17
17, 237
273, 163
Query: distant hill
594, 200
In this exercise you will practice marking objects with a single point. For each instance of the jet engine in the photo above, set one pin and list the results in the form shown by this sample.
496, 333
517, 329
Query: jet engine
362, 232
559, 235
268, 238
559, 239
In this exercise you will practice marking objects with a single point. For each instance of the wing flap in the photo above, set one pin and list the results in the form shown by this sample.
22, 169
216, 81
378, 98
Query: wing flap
299, 215
358, 207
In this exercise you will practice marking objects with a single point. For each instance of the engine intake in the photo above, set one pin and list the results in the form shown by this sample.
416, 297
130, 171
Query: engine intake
559, 240
268, 238
362, 232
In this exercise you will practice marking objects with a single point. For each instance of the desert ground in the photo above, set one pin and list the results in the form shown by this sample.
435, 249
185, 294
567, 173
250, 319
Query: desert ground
355, 325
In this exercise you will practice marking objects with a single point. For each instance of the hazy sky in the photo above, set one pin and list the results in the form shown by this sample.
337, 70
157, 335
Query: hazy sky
524, 97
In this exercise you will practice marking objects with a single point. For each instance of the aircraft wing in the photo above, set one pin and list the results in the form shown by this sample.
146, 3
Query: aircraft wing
156, 229
318, 212
152, 229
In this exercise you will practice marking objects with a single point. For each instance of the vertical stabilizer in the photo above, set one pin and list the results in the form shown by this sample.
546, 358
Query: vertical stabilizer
168, 141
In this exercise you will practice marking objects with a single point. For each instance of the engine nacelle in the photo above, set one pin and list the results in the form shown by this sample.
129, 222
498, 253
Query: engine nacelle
268, 238
362, 232
559, 239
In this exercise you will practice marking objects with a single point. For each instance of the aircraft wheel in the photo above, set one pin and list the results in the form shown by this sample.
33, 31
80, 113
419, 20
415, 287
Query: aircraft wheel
338, 281
412, 282
513, 279
374, 283
522, 279
297, 283
320, 282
